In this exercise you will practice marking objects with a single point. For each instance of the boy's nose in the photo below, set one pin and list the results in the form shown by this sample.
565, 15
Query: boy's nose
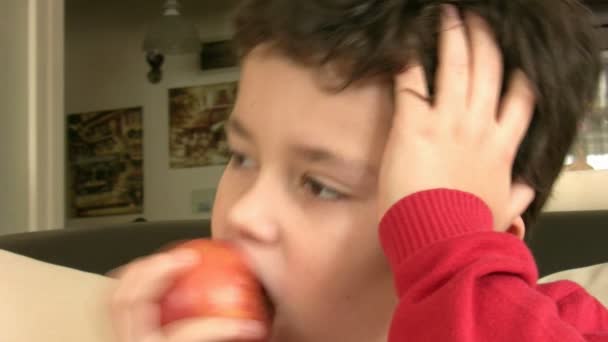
254, 215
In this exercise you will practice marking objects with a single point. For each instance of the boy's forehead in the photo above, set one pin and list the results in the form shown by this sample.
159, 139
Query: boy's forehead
270, 81
267, 70
282, 101
331, 77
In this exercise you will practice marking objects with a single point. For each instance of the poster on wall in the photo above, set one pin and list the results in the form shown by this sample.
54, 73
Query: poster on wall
196, 131
218, 55
105, 162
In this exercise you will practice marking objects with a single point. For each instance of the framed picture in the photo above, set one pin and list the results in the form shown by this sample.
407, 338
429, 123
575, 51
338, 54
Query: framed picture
105, 162
590, 151
218, 55
196, 131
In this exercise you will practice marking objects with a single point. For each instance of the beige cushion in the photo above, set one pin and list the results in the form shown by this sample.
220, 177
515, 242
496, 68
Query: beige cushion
593, 278
44, 302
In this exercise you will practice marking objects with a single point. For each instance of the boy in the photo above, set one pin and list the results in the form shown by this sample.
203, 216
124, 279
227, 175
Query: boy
354, 114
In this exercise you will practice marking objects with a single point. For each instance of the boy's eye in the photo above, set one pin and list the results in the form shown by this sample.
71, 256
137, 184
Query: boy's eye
240, 160
322, 191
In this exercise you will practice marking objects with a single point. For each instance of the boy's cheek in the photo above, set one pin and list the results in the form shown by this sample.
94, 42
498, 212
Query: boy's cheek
218, 217
225, 195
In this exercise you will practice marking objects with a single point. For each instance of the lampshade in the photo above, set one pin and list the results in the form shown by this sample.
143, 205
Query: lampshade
172, 34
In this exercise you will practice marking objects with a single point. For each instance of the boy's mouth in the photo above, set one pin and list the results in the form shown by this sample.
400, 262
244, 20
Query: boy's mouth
269, 303
268, 300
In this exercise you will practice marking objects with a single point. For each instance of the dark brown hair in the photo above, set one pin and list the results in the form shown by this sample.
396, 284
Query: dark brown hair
552, 41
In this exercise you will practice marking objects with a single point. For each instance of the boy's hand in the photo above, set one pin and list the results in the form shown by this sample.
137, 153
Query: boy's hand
468, 138
135, 310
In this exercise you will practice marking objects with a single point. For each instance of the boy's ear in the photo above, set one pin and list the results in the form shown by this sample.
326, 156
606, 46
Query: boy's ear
517, 228
522, 196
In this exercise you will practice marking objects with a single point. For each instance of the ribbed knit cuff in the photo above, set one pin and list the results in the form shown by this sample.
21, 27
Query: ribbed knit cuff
426, 217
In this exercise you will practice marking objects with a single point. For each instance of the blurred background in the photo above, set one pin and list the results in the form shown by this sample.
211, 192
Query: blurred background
111, 111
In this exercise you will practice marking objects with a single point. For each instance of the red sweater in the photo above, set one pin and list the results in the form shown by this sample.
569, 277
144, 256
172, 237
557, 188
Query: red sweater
457, 280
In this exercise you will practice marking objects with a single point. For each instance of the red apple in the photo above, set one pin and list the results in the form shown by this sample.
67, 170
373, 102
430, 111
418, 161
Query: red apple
221, 285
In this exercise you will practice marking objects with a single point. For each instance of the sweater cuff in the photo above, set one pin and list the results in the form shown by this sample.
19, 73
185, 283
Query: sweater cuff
424, 218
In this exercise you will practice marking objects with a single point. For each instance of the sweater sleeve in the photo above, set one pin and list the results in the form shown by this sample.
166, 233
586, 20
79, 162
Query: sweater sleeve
458, 280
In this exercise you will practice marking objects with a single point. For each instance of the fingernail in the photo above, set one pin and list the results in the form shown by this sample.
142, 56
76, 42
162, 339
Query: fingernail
450, 11
252, 329
185, 256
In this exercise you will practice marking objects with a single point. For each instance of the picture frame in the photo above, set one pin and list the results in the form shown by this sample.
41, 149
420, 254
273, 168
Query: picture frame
105, 162
197, 115
218, 54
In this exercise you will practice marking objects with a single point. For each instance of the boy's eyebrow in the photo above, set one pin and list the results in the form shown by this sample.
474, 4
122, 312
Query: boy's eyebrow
311, 153
319, 154
235, 126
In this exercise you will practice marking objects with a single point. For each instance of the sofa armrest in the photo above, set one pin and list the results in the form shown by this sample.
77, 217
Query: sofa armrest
593, 278
44, 302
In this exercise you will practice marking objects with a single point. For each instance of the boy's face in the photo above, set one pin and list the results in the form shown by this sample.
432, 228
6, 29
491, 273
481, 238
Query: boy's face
299, 197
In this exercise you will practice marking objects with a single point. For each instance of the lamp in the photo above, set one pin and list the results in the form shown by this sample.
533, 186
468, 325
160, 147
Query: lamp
171, 34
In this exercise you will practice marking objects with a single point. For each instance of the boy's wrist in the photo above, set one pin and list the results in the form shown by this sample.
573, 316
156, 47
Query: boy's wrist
429, 216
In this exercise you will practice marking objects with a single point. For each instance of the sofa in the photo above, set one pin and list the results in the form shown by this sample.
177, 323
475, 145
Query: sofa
102, 249
53, 286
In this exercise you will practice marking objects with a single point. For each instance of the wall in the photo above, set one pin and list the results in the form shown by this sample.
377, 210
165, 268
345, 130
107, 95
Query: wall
580, 190
13, 116
105, 69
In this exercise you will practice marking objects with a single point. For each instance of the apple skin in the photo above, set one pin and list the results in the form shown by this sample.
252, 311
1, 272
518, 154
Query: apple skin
221, 285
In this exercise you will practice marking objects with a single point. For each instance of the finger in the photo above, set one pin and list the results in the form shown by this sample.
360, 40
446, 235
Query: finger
157, 274
116, 272
151, 282
487, 69
145, 323
411, 92
517, 109
214, 330
453, 70
142, 285
120, 305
